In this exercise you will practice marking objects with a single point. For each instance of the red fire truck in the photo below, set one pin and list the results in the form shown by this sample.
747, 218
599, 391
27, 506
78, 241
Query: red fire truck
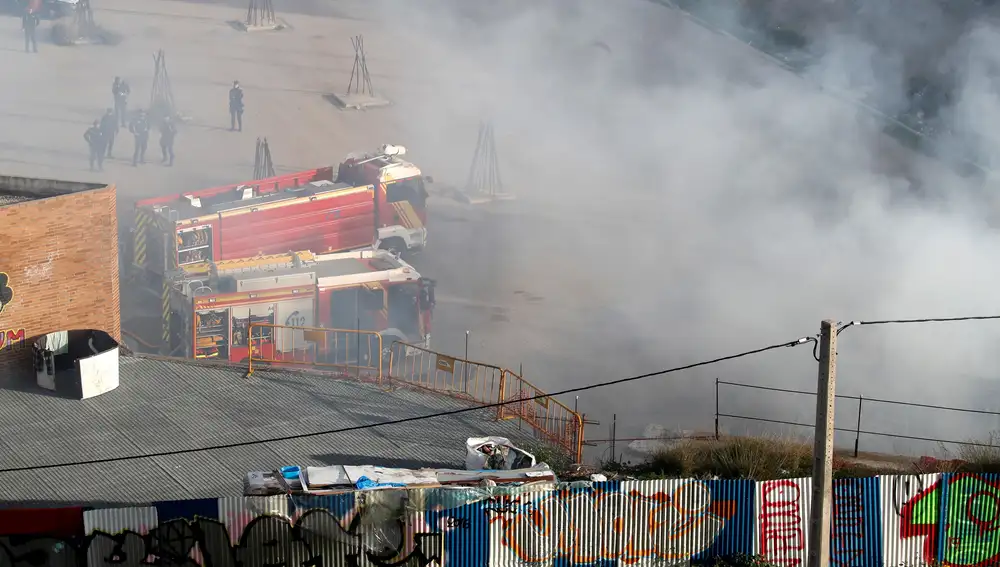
374, 197
290, 299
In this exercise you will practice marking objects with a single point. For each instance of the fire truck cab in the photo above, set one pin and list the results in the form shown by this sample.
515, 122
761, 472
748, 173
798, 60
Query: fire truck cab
290, 299
400, 184
375, 199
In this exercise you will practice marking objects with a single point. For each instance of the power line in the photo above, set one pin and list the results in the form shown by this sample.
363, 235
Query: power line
605, 384
926, 320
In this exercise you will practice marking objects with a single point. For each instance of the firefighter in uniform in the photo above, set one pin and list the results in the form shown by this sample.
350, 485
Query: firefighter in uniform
167, 132
140, 130
120, 91
109, 129
29, 23
236, 106
95, 140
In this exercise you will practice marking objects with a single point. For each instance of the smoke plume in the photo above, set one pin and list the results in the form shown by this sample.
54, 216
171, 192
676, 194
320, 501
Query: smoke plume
684, 197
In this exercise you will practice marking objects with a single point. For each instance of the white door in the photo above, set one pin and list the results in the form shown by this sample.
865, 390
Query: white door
293, 313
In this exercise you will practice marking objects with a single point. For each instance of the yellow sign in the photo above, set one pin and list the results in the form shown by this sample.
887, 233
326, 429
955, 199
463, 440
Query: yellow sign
445, 363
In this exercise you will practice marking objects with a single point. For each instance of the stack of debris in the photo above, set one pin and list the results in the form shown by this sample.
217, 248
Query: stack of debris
161, 96
484, 183
260, 17
490, 461
263, 167
79, 28
345, 478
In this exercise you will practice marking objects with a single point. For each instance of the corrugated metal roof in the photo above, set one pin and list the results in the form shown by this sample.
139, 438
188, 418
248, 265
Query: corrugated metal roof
165, 405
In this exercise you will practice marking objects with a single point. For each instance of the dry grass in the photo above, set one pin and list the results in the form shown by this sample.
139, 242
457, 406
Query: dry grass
978, 458
756, 458
732, 457
765, 458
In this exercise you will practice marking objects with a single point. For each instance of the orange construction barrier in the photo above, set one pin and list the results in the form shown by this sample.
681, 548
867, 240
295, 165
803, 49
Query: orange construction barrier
344, 349
552, 420
418, 366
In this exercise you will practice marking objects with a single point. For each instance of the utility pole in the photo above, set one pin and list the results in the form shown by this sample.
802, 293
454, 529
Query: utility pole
822, 480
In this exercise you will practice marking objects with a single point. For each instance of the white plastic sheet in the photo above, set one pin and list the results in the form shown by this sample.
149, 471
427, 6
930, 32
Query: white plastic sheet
495, 453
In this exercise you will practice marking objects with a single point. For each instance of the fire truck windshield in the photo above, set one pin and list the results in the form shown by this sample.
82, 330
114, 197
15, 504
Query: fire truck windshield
403, 312
411, 189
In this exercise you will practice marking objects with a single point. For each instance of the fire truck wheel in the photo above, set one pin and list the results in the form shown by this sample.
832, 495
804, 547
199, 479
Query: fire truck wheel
394, 245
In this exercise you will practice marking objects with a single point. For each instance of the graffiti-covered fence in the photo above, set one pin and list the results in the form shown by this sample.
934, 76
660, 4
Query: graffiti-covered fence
946, 519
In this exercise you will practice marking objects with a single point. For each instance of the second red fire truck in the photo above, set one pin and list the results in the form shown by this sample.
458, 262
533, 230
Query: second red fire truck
372, 198
285, 307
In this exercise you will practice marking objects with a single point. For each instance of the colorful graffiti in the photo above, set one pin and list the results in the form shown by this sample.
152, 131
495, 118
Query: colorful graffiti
12, 339
941, 520
671, 523
956, 518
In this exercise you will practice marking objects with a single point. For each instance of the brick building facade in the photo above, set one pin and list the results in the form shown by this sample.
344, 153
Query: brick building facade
60, 258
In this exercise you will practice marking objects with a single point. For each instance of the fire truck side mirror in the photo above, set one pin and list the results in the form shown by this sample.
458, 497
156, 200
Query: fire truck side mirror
428, 179
427, 293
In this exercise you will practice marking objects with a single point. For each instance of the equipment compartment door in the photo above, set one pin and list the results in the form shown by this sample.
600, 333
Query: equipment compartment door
294, 313
246, 338
212, 334
194, 245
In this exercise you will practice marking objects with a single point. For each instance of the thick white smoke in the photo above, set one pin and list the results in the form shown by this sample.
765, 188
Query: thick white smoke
689, 199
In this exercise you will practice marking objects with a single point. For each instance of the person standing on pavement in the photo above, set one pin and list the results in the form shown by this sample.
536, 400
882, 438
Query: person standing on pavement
140, 130
29, 23
109, 129
168, 130
120, 90
96, 142
236, 107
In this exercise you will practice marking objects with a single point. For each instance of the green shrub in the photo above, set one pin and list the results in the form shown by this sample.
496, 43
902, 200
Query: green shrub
980, 459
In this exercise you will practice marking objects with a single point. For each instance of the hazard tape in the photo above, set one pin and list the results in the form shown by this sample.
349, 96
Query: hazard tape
166, 314
142, 221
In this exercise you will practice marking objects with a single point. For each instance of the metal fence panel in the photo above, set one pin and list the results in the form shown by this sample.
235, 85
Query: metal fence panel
782, 510
966, 530
903, 542
912, 520
424, 368
551, 420
345, 350
856, 530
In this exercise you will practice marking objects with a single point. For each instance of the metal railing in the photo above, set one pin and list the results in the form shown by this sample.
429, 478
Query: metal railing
347, 350
857, 430
552, 420
424, 368
364, 352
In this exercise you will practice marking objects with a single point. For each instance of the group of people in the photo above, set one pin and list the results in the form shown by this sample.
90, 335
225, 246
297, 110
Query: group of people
101, 135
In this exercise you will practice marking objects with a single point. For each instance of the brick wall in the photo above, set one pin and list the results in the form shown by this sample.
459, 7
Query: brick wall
61, 257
